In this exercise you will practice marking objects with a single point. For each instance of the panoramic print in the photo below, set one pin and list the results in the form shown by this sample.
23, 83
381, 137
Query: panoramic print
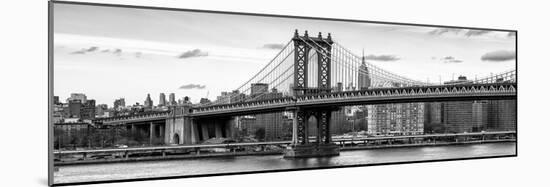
142, 93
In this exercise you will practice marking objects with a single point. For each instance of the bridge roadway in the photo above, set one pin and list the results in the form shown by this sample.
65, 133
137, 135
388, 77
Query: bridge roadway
455, 92
279, 143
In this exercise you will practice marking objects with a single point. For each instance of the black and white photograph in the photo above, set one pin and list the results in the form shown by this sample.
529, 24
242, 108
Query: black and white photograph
147, 93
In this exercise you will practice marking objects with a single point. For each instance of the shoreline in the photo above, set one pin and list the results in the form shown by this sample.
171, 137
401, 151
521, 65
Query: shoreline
275, 152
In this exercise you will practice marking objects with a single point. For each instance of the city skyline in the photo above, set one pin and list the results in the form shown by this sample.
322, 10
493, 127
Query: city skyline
189, 93
175, 54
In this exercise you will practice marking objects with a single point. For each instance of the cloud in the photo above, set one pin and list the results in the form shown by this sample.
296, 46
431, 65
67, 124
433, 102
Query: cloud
273, 46
450, 59
443, 31
193, 53
382, 57
464, 32
476, 32
192, 86
499, 56
92, 49
117, 51
84, 50
78, 52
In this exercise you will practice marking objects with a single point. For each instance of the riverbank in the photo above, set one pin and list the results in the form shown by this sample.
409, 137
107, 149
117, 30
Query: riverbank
259, 153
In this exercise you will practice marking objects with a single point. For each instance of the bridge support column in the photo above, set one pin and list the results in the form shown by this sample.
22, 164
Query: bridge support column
151, 132
301, 147
295, 127
194, 132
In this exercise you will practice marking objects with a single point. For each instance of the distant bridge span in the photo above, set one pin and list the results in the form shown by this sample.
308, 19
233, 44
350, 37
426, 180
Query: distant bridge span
364, 97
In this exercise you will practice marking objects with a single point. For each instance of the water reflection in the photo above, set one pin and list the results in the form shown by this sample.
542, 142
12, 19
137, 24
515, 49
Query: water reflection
97, 172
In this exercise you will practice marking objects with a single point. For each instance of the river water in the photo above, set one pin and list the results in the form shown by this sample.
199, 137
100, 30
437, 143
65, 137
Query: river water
148, 169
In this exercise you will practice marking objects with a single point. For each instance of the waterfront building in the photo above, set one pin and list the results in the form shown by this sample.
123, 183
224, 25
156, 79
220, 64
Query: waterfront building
458, 116
433, 117
476, 116
339, 123
395, 119
71, 134
479, 116
502, 115
272, 124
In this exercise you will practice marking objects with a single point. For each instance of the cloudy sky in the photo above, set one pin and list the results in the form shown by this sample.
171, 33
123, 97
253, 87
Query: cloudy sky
109, 52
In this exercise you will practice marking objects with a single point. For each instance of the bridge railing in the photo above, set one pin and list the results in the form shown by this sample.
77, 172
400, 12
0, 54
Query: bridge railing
339, 98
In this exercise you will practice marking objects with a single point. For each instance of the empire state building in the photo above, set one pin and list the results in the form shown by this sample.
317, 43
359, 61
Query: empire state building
364, 76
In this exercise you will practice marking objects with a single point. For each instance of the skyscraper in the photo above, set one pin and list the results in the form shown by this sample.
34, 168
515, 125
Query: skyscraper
273, 124
172, 99
502, 115
433, 117
148, 103
162, 99
479, 115
457, 116
396, 119
364, 76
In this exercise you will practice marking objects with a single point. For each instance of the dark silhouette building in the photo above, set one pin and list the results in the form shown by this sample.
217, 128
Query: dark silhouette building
162, 100
148, 103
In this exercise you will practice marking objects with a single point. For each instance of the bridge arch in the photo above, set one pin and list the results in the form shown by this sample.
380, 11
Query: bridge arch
176, 138
312, 126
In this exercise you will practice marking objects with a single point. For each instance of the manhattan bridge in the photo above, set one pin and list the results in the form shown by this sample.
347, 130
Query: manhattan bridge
313, 76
